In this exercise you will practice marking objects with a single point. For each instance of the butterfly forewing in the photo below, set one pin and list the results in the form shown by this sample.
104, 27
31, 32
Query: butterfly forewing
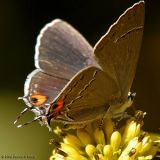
118, 50
62, 51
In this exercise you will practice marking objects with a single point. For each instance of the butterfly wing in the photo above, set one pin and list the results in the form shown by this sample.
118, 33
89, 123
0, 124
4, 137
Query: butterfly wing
40, 83
118, 50
62, 51
88, 95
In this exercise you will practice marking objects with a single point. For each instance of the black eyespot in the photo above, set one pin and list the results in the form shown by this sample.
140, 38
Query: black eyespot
34, 100
54, 105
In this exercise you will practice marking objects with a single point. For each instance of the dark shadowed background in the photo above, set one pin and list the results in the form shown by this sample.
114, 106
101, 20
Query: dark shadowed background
20, 23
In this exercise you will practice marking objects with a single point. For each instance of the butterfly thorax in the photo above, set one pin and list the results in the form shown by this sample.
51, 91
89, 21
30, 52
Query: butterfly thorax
121, 105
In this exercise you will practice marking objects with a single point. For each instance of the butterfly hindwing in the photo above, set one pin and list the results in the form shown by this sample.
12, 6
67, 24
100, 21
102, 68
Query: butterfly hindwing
88, 94
40, 83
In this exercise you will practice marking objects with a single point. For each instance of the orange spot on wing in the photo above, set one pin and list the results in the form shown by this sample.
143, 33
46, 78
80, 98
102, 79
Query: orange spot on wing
60, 104
38, 99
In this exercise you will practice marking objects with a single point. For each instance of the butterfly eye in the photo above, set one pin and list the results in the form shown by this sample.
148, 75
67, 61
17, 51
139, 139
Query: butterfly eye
38, 100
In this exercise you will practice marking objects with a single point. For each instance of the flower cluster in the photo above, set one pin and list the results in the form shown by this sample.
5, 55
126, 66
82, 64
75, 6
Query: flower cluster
107, 142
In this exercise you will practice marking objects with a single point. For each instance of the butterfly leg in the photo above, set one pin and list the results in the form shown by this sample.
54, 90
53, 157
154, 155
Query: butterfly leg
104, 115
68, 118
101, 123
120, 115
74, 126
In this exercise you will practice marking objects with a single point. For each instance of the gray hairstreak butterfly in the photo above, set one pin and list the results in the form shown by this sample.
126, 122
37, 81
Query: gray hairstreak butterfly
75, 83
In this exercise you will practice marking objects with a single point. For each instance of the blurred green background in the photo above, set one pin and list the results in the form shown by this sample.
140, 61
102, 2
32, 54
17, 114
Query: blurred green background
20, 23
